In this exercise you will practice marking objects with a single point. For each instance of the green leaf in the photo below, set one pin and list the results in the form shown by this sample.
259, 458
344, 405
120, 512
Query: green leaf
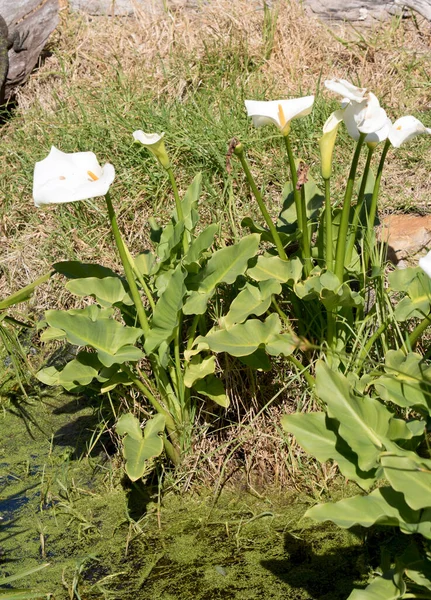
189, 204
198, 368
244, 339
381, 588
273, 267
144, 263
317, 434
417, 566
252, 300
166, 313
266, 235
407, 382
314, 201
52, 333
259, 360
107, 291
384, 506
213, 388
106, 336
78, 373
417, 285
118, 378
75, 269
223, 267
332, 294
139, 449
364, 421
170, 239
20, 575
410, 474
128, 424
204, 240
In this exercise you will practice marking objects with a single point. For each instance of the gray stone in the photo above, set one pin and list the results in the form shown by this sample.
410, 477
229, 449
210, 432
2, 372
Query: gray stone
366, 11
39, 19
118, 8
359, 11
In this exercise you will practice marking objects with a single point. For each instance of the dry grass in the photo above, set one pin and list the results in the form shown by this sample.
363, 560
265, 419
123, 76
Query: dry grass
170, 58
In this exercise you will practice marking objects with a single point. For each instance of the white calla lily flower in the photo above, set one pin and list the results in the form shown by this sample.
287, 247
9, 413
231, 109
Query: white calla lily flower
278, 112
368, 115
425, 263
155, 144
346, 89
406, 128
372, 138
68, 177
362, 111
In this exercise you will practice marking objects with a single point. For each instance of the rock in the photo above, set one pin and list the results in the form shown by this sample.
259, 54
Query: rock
39, 19
127, 8
357, 11
423, 7
406, 235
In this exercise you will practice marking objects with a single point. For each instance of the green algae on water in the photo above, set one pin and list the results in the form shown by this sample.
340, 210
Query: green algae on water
76, 513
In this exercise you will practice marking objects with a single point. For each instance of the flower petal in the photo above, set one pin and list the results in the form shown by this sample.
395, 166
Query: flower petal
278, 112
155, 144
406, 128
148, 139
367, 117
425, 263
372, 116
68, 177
263, 113
346, 89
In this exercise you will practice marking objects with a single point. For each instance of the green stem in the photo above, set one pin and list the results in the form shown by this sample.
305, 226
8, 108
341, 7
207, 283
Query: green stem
143, 321
294, 178
192, 331
306, 247
178, 370
419, 330
298, 364
369, 344
331, 328
301, 209
170, 425
328, 224
180, 214
140, 278
373, 205
344, 224
275, 235
178, 205
283, 316
358, 207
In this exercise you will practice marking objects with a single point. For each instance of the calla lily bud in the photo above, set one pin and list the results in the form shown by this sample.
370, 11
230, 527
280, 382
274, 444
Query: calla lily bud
68, 177
327, 142
155, 144
406, 128
425, 263
278, 112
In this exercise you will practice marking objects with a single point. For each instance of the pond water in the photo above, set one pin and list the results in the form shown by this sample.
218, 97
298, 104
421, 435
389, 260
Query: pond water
105, 538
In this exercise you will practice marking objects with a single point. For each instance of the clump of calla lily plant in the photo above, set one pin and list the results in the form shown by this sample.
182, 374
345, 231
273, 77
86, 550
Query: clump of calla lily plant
291, 289
155, 327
